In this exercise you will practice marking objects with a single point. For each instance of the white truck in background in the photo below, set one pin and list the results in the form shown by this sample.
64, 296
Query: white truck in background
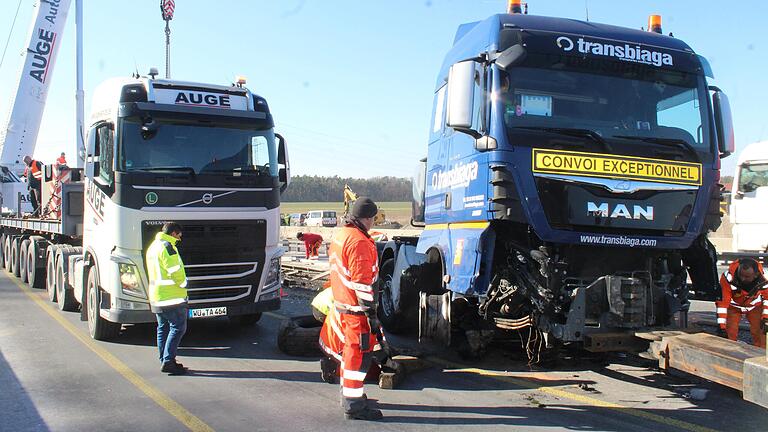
749, 200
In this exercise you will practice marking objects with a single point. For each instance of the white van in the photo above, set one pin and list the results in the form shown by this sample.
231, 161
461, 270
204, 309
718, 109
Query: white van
325, 218
749, 199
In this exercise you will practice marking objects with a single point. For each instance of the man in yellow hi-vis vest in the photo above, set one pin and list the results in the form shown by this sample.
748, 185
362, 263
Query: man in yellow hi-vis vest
168, 295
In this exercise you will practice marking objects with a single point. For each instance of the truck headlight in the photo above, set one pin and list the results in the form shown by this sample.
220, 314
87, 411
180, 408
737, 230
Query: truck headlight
130, 282
273, 274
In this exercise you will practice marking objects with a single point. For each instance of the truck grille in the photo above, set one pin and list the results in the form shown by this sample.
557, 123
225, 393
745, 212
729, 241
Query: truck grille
221, 293
223, 259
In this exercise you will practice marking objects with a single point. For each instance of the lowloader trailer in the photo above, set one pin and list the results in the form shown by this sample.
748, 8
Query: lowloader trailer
205, 156
570, 181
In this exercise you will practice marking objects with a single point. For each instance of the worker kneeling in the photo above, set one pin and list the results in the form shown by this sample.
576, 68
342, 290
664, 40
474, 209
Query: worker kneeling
745, 291
351, 331
312, 243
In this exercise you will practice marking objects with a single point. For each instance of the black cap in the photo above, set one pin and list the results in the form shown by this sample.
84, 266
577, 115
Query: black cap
364, 207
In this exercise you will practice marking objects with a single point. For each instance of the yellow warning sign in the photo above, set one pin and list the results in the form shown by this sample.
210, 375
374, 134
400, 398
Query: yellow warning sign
615, 166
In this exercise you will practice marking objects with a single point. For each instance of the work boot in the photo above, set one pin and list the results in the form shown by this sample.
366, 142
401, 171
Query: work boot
328, 370
365, 414
173, 368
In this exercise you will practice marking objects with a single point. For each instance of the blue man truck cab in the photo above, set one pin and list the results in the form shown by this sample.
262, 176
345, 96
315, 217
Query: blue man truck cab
571, 178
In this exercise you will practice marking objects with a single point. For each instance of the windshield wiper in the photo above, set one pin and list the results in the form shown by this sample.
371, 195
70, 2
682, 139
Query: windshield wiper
670, 142
190, 170
574, 132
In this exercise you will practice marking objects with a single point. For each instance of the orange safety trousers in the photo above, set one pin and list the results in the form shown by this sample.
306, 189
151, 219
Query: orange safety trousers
754, 316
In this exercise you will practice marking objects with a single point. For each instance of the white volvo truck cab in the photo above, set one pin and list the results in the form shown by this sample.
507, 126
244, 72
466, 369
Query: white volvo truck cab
205, 156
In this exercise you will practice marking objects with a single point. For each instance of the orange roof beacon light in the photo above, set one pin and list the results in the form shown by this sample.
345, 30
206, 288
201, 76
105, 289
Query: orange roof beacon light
654, 23
515, 7
240, 80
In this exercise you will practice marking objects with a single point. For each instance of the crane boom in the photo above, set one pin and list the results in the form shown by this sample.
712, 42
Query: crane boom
19, 136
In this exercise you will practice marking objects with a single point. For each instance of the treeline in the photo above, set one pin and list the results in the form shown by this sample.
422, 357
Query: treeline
306, 188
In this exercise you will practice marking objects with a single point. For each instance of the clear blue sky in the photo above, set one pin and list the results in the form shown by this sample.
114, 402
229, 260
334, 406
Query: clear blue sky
350, 82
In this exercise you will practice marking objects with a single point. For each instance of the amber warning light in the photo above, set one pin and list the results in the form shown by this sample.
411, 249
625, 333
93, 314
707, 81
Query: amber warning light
654, 23
515, 7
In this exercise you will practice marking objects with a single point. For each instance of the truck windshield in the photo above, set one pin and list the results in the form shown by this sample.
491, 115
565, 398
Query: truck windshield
753, 176
650, 105
196, 146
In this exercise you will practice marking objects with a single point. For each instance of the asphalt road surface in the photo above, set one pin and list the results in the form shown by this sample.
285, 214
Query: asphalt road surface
54, 377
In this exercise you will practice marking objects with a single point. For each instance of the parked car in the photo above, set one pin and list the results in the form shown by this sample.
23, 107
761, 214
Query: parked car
325, 218
297, 219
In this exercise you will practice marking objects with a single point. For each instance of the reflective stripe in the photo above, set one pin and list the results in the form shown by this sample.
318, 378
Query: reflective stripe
163, 282
335, 326
352, 308
352, 392
377, 347
756, 301
721, 320
728, 277
354, 375
329, 351
722, 310
184, 284
364, 296
170, 302
174, 269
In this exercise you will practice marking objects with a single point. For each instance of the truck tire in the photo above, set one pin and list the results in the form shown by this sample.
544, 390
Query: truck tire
7, 253
50, 272
36, 265
98, 327
396, 319
246, 320
64, 292
298, 336
2, 250
21, 257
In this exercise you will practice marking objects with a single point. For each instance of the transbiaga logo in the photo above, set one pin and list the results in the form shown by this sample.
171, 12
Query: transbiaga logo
626, 52
460, 175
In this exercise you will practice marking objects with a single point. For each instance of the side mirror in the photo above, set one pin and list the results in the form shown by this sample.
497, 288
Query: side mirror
284, 174
90, 155
461, 89
419, 185
726, 143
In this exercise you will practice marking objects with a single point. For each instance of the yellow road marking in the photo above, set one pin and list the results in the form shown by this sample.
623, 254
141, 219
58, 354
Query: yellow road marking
528, 384
172, 407
525, 383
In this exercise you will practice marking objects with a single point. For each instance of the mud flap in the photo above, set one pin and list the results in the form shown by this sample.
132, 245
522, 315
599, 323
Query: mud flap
701, 260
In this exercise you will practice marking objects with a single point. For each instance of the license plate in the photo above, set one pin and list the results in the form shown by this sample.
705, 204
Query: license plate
207, 312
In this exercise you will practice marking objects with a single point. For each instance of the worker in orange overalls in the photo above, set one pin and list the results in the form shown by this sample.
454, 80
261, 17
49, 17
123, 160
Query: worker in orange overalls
34, 174
61, 160
351, 331
745, 291
312, 243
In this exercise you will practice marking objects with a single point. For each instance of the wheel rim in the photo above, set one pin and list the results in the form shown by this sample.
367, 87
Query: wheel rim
92, 307
387, 303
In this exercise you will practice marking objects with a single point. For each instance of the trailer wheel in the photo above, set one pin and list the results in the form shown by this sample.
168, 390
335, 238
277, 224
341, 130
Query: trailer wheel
21, 257
98, 327
7, 258
50, 272
64, 292
2, 250
396, 318
298, 336
35, 266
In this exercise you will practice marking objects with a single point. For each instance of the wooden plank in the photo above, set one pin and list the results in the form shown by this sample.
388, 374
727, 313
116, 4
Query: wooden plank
710, 357
618, 341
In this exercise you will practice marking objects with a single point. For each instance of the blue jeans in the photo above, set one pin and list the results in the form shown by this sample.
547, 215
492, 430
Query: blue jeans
171, 326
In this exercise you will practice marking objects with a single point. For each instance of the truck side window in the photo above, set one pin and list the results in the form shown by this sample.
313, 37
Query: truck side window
105, 139
438, 111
